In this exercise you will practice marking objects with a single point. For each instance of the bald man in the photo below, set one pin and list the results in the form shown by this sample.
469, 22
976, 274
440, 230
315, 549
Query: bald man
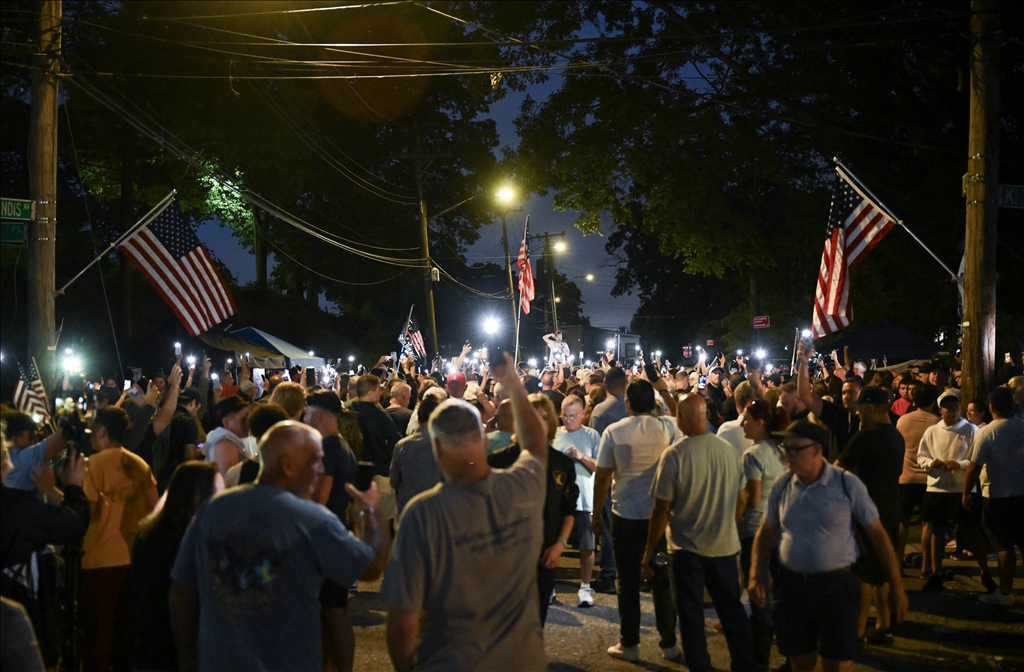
698, 486
254, 559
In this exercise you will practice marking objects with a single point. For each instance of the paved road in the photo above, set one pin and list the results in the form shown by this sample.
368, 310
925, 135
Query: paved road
948, 630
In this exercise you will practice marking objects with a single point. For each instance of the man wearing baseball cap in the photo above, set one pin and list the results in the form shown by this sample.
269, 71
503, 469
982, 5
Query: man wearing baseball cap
811, 517
875, 454
456, 385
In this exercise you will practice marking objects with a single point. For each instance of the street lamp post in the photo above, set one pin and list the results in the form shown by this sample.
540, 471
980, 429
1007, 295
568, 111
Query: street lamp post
505, 195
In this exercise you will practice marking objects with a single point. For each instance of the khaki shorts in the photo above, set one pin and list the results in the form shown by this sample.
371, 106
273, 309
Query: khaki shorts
387, 508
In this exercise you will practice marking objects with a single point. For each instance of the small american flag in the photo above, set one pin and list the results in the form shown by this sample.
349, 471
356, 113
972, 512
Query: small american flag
411, 337
29, 394
855, 226
526, 289
171, 257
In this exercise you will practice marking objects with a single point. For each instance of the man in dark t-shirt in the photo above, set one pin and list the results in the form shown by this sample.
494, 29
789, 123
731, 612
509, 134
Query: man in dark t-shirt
875, 452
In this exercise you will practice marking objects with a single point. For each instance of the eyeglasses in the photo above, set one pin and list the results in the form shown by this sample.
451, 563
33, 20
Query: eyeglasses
570, 417
796, 449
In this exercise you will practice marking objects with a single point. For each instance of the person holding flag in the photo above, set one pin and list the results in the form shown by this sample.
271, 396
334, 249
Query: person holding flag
20, 429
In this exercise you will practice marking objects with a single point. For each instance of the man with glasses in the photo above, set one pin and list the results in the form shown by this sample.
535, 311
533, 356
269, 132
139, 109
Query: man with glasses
815, 509
581, 444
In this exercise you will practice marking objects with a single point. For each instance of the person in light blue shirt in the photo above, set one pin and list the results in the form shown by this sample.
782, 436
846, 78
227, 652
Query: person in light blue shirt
20, 432
812, 513
501, 437
581, 444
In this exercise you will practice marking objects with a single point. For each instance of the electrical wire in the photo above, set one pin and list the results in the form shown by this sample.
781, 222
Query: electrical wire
333, 279
254, 199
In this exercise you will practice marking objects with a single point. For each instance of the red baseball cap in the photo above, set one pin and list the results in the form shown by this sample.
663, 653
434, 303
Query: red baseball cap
458, 378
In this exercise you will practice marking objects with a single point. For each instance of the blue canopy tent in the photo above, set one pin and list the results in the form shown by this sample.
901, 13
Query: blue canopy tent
293, 355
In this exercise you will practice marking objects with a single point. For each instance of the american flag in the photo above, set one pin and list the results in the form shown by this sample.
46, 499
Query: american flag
411, 337
171, 257
29, 394
526, 290
855, 226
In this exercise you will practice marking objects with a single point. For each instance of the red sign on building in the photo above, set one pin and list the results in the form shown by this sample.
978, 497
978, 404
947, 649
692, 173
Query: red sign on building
762, 322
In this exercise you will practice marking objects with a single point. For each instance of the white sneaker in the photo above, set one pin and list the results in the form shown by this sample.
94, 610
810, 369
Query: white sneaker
627, 653
671, 653
586, 597
554, 597
997, 598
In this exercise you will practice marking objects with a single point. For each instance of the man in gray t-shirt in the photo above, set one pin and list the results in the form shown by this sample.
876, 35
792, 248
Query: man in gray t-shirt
461, 586
249, 570
697, 487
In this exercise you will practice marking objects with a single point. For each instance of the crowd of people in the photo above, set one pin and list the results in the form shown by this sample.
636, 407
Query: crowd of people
197, 522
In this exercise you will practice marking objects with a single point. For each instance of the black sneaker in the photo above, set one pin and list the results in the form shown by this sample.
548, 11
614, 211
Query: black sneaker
989, 584
933, 584
603, 587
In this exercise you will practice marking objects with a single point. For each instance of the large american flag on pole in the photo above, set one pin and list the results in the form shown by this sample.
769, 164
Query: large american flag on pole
29, 394
526, 289
411, 337
171, 257
855, 226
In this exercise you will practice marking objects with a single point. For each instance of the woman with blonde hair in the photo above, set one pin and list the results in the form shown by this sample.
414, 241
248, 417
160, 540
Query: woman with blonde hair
291, 397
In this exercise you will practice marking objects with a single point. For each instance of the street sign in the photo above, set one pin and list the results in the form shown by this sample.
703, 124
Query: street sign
762, 322
12, 232
1011, 195
17, 208
710, 343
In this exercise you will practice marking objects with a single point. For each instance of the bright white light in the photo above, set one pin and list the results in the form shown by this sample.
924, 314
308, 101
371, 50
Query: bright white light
351, 358
67, 351
533, 362
506, 194
72, 364
739, 352
491, 325
760, 353
657, 353
611, 344
191, 359
559, 247
558, 299
176, 345
637, 347
36, 418
310, 353
214, 376
247, 355
806, 333
589, 276
230, 360
703, 356
587, 363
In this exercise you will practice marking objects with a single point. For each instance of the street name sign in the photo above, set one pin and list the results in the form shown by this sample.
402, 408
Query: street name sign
762, 321
17, 209
1011, 195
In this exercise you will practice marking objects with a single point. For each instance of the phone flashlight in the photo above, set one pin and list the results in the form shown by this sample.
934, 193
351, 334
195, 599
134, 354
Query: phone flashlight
177, 349
127, 385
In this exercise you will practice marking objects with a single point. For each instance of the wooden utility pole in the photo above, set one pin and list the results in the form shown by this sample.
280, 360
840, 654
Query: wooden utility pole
42, 165
419, 164
982, 187
549, 271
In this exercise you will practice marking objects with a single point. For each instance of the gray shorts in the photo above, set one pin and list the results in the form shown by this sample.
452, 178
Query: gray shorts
582, 536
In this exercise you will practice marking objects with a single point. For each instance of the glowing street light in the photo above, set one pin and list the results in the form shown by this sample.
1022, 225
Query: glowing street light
558, 299
506, 194
559, 246
491, 325
589, 277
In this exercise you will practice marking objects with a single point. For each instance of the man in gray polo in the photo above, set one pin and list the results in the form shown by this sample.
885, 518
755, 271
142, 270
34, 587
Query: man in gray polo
816, 594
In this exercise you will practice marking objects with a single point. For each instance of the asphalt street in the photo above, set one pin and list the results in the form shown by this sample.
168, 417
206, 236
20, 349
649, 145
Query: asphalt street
947, 630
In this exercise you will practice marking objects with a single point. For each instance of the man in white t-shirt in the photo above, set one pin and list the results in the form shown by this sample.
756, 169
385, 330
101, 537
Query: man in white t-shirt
581, 444
732, 431
479, 522
630, 449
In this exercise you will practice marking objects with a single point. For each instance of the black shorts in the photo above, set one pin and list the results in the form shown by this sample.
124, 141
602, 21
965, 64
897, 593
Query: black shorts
911, 495
1004, 516
333, 595
816, 613
941, 507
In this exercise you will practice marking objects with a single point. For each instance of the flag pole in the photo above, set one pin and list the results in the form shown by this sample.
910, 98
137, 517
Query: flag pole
46, 397
896, 219
519, 314
146, 219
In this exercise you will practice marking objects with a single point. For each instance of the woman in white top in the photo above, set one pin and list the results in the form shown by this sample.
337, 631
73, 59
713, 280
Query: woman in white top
225, 445
762, 464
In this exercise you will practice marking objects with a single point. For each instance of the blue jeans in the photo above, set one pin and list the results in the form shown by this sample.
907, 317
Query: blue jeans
630, 541
608, 568
691, 573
